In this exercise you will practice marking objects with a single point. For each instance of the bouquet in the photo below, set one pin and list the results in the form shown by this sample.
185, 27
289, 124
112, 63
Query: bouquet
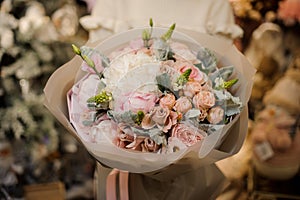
149, 98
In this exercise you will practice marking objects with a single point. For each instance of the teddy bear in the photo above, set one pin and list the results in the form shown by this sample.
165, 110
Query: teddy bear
276, 134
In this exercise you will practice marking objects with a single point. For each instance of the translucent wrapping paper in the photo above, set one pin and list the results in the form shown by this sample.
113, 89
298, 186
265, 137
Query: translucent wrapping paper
216, 146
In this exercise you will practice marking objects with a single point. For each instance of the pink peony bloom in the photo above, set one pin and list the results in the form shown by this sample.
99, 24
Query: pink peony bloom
186, 134
204, 99
183, 104
167, 101
136, 101
215, 115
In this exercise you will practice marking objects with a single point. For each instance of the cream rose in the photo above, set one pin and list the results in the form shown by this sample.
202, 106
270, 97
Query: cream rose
215, 115
186, 134
167, 101
183, 104
159, 116
191, 88
204, 99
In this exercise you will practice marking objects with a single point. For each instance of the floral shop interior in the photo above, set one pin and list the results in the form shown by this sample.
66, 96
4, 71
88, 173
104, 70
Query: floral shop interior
211, 109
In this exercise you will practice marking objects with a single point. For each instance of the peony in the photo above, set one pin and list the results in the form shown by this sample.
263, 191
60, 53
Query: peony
183, 104
136, 101
122, 64
167, 101
187, 134
215, 115
204, 99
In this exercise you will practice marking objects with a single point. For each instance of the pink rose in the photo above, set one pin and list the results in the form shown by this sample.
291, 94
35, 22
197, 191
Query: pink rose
183, 104
204, 99
149, 145
186, 134
191, 88
136, 101
161, 117
171, 120
167, 101
203, 114
123, 139
136, 144
215, 115
147, 122
196, 74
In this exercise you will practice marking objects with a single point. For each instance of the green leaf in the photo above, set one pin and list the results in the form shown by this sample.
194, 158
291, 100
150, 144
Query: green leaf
125, 117
230, 83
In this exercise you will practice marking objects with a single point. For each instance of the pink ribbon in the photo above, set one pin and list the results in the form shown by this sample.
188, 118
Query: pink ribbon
111, 185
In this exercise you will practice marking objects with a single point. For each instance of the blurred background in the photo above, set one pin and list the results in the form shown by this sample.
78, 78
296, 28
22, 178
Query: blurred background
38, 155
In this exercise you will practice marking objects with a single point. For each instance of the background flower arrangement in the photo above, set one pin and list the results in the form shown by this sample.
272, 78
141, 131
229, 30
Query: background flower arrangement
153, 95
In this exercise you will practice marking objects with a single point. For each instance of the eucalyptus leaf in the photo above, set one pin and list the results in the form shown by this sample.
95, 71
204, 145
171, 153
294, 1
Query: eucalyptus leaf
208, 59
232, 108
125, 117
224, 73
140, 132
157, 136
164, 82
192, 113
